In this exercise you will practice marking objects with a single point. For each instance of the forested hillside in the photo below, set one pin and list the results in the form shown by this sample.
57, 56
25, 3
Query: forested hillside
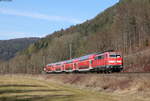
9, 48
124, 27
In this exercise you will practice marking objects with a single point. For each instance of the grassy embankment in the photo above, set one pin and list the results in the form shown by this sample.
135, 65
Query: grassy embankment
123, 87
27, 88
75, 87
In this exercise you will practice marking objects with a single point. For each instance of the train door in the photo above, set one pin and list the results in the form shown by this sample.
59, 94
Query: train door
99, 61
76, 66
90, 64
63, 67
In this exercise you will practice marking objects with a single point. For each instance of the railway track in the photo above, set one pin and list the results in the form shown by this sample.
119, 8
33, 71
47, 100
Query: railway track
102, 74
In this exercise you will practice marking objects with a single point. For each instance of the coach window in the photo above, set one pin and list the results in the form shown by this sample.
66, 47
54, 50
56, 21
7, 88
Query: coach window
99, 57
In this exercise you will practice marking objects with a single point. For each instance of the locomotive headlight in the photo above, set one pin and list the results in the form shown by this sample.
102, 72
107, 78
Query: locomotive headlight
119, 61
111, 61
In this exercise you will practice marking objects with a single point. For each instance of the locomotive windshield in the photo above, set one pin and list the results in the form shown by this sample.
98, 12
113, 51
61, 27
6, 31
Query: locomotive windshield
115, 56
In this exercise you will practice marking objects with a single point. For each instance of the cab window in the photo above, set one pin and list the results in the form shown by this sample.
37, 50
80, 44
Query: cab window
114, 56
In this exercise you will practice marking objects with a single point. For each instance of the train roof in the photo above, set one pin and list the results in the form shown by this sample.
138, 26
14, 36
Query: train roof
81, 58
48, 64
69, 61
86, 56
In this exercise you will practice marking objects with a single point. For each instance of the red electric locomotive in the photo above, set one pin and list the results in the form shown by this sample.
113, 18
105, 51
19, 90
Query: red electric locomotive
108, 61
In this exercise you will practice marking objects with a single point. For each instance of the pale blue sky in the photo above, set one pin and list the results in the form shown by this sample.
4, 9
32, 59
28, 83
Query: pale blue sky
38, 18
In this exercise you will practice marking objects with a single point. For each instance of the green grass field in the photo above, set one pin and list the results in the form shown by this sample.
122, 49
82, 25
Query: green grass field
27, 88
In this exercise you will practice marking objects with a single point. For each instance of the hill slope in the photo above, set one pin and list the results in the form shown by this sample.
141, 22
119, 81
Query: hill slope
9, 48
124, 27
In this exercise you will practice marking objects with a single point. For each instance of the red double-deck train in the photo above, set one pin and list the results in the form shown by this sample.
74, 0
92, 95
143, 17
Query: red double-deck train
108, 61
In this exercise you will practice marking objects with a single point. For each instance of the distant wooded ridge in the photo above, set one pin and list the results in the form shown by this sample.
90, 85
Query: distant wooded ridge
9, 48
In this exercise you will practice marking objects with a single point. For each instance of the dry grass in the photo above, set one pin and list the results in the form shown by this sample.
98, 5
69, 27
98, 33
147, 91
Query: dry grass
37, 88
71, 87
132, 87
